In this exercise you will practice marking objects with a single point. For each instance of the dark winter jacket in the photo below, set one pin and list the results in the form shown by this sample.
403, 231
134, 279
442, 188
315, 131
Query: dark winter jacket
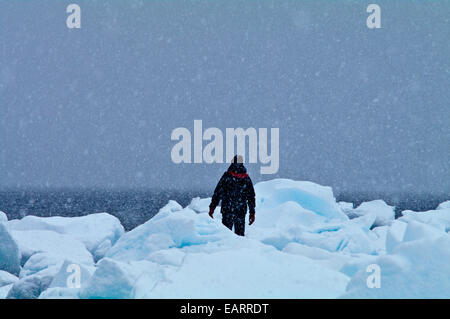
235, 190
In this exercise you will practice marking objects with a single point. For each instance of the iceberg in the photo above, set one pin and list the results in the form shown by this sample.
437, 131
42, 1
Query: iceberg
91, 230
384, 213
9, 252
303, 244
198, 257
3, 217
444, 205
116, 279
4, 291
310, 196
415, 269
6, 278
29, 287
54, 244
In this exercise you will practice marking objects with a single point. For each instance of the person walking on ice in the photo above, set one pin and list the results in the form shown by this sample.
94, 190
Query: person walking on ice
235, 190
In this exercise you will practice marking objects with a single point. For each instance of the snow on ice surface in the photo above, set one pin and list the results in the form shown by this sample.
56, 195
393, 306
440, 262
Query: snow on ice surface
9, 252
33, 242
347, 208
310, 196
6, 278
45, 252
200, 205
444, 205
302, 245
58, 287
256, 273
199, 257
45, 244
418, 261
4, 291
92, 230
415, 269
3, 217
384, 213
29, 287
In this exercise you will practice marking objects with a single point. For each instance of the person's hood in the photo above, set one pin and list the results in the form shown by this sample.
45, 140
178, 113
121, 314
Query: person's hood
238, 170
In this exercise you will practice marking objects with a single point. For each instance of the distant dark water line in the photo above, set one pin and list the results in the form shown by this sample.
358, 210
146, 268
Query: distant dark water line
401, 201
135, 207
131, 207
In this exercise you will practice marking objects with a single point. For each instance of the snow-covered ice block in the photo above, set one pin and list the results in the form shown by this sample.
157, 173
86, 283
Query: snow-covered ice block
102, 250
47, 267
49, 264
29, 287
395, 234
307, 213
6, 278
41, 263
60, 293
348, 209
310, 196
380, 240
115, 279
345, 206
439, 218
356, 263
166, 230
351, 236
416, 269
173, 257
65, 277
9, 252
63, 246
444, 205
418, 225
92, 230
171, 206
286, 215
200, 205
4, 291
181, 253
302, 245
3, 217
416, 230
68, 281
385, 214
191, 249
249, 273
328, 259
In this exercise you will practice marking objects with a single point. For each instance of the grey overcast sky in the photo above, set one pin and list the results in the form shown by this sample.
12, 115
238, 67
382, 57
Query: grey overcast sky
358, 108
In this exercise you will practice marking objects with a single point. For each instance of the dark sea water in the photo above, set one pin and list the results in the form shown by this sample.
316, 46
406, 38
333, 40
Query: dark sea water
134, 207
402, 201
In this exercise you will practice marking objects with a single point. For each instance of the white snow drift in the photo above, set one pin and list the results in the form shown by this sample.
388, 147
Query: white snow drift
302, 245
3, 217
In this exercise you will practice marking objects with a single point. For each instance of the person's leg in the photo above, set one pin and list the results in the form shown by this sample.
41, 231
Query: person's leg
239, 225
227, 220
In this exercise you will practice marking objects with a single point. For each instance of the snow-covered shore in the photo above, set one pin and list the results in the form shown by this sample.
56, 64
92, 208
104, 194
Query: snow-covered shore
302, 245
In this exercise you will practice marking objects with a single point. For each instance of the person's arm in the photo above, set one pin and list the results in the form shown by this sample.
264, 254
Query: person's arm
217, 196
251, 201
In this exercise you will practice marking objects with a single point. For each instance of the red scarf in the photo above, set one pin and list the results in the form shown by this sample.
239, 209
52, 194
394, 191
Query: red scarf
238, 175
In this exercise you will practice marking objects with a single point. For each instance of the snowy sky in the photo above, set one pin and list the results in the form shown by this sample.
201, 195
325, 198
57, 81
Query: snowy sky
358, 109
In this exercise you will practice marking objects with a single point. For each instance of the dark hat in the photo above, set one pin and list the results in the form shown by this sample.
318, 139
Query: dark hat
237, 159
